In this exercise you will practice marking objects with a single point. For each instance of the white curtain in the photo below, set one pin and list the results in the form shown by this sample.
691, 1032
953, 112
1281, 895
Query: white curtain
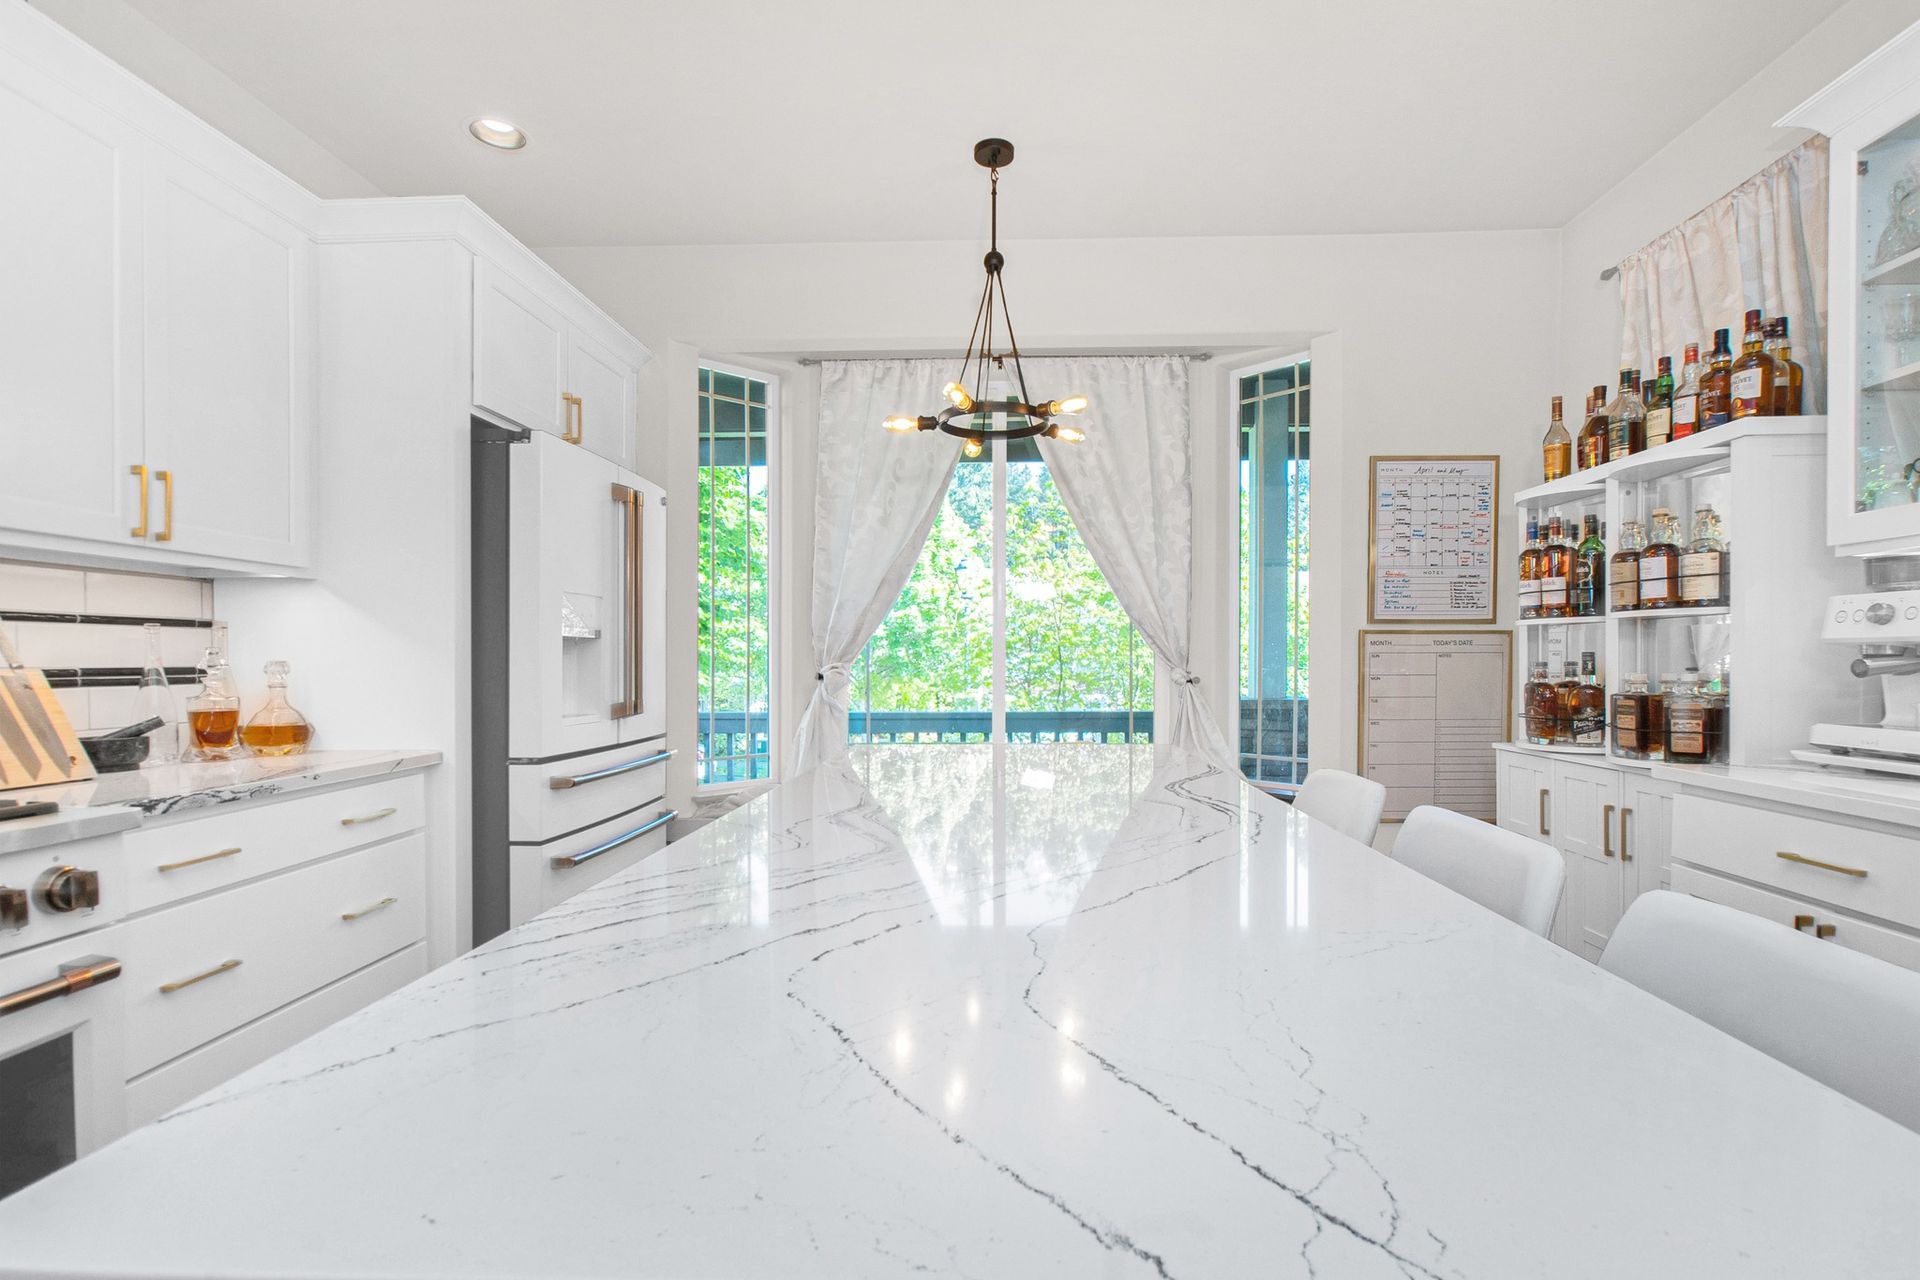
1763, 244
876, 495
1129, 488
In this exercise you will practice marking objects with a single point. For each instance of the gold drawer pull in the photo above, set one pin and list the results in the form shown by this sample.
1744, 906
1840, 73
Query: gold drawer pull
387, 812
1826, 930
1802, 923
168, 988
194, 862
1855, 872
367, 911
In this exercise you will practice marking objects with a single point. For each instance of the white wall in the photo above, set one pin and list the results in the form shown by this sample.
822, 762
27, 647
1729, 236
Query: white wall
1438, 342
1718, 152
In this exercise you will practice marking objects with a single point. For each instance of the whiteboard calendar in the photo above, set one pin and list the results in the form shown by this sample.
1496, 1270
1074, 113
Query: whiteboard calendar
1432, 538
1432, 704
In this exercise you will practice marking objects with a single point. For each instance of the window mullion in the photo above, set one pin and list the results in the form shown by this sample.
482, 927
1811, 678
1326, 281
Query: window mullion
1000, 567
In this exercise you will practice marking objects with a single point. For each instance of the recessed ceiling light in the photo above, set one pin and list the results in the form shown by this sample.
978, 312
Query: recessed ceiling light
498, 133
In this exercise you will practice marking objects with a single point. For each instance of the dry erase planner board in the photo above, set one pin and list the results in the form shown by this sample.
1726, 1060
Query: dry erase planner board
1432, 704
1432, 539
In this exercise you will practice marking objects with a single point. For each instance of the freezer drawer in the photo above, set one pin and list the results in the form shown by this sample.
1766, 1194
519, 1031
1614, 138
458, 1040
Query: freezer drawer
546, 875
552, 799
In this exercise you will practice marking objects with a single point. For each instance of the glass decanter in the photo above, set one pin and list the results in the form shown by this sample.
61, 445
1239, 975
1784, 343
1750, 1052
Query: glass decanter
277, 729
213, 714
157, 701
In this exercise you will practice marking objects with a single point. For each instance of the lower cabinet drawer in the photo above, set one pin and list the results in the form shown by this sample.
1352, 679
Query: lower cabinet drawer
200, 969
591, 789
1892, 945
1868, 872
546, 875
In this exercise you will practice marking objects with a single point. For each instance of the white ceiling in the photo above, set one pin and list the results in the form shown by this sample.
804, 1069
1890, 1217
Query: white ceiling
728, 121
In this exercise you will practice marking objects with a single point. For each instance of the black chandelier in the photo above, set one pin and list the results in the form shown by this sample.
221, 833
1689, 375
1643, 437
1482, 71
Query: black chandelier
970, 414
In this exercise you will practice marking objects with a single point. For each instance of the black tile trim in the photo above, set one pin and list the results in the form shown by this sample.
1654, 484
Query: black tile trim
597, 822
102, 619
111, 677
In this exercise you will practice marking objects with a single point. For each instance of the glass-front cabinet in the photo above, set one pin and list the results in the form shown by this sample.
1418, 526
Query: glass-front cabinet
1872, 116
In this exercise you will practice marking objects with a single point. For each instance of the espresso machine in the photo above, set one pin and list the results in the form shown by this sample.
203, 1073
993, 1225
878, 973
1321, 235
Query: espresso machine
1884, 623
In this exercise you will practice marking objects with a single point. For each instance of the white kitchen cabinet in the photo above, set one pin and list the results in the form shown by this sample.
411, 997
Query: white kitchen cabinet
229, 344
605, 390
1524, 790
1646, 834
1586, 808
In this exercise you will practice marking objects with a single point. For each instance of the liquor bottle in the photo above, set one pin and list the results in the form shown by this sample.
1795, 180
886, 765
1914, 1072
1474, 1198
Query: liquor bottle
277, 729
1659, 398
213, 714
1626, 419
1590, 571
1556, 452
1592, 445
1565, 692
1624, 569
1686, 721
1752, 378
1629, 711
1703, 566
1788, 377
1555, 572
1541, 710
1589, 727
1660, 563
1530, 571
1716, 403
1686, 395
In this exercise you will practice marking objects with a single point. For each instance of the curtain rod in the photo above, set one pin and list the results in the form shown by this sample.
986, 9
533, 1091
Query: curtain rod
807, 362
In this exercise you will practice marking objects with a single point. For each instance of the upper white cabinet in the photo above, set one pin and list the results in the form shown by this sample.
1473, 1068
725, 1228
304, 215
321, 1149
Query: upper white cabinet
537, 367
1872, 116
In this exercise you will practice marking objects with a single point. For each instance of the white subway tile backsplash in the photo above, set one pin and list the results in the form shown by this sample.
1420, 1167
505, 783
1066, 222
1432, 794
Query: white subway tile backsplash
68, 644
141, 595
38, 588
55, 589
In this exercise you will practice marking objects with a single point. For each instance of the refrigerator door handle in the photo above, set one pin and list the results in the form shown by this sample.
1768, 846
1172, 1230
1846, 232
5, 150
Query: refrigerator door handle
630, 663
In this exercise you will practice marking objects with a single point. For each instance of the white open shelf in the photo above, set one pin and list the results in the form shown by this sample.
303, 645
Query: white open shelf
1698, 450
1904, 378
1661, 615
1904, 269
1592, 620
1536, 749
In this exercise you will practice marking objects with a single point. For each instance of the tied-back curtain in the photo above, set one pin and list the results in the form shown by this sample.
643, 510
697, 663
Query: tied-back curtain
1129, 488
1763, 244
875, 498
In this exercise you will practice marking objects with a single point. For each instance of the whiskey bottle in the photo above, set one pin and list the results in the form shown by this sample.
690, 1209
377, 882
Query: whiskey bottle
1788, 377
1686, 721
1589, 716
1686, 395
1659, 398
1556, 452
1716, 404
1555, 571
1703, 566
1540, 708
1752, 377
1530, 571
1626, 419
1629, 711
1566, 692
1660, 563
1624, 569
1590, 571
1592, 445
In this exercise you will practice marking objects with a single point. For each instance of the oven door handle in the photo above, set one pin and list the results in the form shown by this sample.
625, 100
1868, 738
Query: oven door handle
88, 971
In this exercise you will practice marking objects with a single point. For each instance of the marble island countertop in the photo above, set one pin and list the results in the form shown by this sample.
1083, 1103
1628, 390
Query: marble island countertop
1025, 1011
118, 801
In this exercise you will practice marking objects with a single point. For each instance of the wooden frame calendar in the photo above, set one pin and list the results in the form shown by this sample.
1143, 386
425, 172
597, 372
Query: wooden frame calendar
1433, 538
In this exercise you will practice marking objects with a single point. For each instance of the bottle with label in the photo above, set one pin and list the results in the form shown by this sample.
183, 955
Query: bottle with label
1556, 451
1624, 569
1589, 717
213, 714
1686, 721
277, 729
1751, 383
1686, 395
1556, 572
1540, 706
1626, 419
1530, 571
1716, 402
1660, 563
1565, 692
1590, 571
1788, 377
1592, 445
1659, 400
1703, 565
1629, 710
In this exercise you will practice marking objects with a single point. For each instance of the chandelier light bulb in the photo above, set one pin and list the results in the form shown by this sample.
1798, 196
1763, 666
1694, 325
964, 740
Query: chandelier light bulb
1070, 404
972, 449
958, 394
902, 422
1066, 434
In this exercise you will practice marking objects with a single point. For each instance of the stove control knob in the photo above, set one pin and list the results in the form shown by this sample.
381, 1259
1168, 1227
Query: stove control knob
13, 908
69, 889
1880, 613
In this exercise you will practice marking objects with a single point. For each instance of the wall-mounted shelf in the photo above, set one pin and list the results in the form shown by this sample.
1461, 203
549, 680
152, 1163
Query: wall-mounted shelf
1590, 620
1660, 615
1698, 450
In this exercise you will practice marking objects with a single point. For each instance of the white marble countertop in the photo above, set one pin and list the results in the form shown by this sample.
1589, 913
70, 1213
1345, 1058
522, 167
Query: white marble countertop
1876, 797
117, 801
995, 1017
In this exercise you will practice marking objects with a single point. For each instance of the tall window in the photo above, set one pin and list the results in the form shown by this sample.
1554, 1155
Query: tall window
1274, 419
735, 673
1006, 630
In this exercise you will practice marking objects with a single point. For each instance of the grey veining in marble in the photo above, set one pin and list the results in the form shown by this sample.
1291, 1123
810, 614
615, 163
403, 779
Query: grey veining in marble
1004, 1012
163, 790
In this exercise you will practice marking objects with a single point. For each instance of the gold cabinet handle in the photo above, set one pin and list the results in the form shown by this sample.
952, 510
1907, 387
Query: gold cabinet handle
166, 506
1543, 813
367, 911
225, 966
579, 420
1856, 872
1826, 930
1625, 813
1606, 829
387, 812
140, 530
573, 427
1802, 923
194, 862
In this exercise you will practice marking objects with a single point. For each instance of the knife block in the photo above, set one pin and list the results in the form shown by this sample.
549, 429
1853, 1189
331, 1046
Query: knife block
25, 695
